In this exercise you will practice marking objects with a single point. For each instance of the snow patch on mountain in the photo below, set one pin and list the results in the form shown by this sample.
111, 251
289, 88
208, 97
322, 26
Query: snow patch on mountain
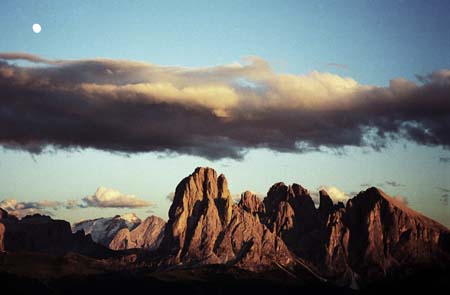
103, 230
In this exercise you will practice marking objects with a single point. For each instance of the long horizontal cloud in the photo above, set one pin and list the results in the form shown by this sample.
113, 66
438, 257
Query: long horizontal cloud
214, 112
103, 198
393, 183
21, 209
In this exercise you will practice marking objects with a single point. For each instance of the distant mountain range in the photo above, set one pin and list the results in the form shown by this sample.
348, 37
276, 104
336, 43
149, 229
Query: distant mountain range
372, 239
103, 230
124, 231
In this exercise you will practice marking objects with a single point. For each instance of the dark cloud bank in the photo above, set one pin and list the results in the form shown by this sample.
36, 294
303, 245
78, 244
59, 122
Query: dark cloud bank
216, 112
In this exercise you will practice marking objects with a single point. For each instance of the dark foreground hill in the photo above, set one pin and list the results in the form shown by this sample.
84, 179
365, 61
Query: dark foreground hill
210, 244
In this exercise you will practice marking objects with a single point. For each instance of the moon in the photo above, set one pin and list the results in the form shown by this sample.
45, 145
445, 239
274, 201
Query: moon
37, 28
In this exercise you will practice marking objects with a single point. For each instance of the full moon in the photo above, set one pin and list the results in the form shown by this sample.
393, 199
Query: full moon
37, 28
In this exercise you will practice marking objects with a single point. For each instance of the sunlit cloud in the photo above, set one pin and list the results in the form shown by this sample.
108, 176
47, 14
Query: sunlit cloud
335, 194
21, 209
111, 198
213, 112
402, 199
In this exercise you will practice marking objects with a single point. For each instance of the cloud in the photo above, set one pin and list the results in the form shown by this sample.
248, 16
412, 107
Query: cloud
443, 189
170, 196
445, 195
110, 198
103, 198
21, 209
71, 204
444, 199
26, 57
444, 159
394, 183
337, 65
402, 199
212, 112
335, 194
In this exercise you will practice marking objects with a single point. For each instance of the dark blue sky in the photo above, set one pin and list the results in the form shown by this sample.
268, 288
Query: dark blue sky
377, 40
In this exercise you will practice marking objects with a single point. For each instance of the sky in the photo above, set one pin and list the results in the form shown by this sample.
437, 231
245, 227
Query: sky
131, 96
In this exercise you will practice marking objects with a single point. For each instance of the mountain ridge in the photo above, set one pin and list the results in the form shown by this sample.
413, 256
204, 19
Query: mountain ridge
370, 238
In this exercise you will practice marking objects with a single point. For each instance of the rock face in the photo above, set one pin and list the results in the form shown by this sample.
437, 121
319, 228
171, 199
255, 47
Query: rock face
333, 261
291, 213
147, 235
2, 237
3, 214
251, 203
384, 234
104, 230
376, 235
206, 227
40, 233
326, 205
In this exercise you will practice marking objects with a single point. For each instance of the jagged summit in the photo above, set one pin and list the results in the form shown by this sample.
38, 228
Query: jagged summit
374, 196
372, 237
147, 235
103, 230
206, 226
251, 203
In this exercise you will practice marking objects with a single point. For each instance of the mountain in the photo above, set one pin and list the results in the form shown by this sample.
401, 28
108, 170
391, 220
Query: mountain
206, 227
103, 230
376, 235
372, 240
39, 233
371, 237
3, 215
147, 235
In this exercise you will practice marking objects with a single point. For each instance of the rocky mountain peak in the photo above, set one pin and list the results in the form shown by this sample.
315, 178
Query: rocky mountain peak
325, 205
204, 225
291, 212
3, 214
103, 230
147, 235
201, 208
371, 237
251, 203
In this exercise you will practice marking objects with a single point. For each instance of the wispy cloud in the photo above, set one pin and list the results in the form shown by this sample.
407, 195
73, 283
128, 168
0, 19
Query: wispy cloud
445, 194
170, 196
443, 189
213, 112
337, 65
444, 199
444, 159
402, 199
393, 183
21, 209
